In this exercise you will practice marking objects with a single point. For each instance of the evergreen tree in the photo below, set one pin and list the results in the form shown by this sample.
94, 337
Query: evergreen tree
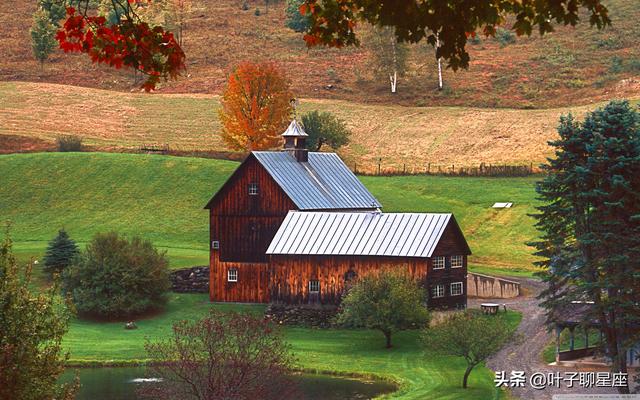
591, 223
56, 9
295, 20
31, 331
60, 253
42, 36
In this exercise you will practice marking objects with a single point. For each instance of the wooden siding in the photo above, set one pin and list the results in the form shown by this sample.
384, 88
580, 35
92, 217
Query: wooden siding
451, 243
244, 225
252, 285
290, 275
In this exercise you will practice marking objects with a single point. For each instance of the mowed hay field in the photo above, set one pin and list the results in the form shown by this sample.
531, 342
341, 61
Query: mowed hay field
161, 199
415, 136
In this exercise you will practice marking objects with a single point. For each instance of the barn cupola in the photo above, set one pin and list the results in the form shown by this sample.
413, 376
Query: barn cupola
294, 141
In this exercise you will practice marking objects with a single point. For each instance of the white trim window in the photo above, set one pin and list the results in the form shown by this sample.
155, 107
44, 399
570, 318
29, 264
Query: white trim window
314, 286
437, 291
457, 261
253, 189
232, 275
215, 245
439, 262
457, 288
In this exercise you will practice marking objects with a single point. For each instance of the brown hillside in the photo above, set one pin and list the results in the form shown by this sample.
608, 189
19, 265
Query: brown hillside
33, 115
571, 66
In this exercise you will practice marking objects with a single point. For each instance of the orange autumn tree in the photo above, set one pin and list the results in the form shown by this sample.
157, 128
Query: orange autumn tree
255, 107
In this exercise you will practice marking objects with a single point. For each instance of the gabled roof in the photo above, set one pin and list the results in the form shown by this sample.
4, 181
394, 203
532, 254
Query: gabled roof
322, 183
360, 234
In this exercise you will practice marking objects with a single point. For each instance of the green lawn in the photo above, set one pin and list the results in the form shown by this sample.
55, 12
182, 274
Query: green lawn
342, 351
161, 198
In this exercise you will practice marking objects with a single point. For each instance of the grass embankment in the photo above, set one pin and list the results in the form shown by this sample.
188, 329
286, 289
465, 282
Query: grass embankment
356, 352
35, 114
161, 199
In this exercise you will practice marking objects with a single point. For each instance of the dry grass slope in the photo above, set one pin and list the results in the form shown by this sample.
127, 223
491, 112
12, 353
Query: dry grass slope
570, 66
32, 114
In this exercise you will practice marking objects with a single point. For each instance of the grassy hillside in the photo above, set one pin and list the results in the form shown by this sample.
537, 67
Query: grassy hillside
32, 115
570, 66
161, 198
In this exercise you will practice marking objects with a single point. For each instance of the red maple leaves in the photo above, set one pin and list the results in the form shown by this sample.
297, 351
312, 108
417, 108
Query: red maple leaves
153, 51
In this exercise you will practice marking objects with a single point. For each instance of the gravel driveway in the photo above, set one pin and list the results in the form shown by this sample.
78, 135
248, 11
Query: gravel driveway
525, 353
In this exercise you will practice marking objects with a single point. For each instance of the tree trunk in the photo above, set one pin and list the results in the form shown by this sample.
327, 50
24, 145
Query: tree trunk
439, 64
466, 375
387, 336
394, 77
394, 81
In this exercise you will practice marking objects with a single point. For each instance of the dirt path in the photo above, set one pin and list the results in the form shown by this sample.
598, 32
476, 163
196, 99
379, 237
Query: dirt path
525, 353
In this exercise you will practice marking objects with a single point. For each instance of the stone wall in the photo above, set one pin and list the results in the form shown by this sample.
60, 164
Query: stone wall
190, 280
300, 315
479, 285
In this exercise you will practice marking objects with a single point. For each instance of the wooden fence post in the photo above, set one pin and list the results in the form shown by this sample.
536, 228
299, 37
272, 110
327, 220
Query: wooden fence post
379, 162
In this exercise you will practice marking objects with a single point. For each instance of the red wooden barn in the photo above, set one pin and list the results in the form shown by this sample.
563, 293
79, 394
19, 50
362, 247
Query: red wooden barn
295, 226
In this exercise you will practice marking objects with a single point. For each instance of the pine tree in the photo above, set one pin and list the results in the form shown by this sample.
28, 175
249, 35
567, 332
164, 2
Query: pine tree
591, 222
42, 36
60, 253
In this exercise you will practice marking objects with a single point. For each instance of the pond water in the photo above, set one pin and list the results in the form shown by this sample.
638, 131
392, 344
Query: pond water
120, 384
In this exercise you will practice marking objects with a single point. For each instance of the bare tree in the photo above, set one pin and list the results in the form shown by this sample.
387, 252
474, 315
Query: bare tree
222, 356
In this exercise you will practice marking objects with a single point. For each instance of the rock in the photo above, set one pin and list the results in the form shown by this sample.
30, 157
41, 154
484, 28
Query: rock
130, 325
302, 315
190, 280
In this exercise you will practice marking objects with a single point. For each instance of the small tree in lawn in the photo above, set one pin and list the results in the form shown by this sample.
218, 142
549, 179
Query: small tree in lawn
388, 56
117, 278
42, 36
469, 335
255, 107
324, 128
222, 356
388, 302
60, 253
31, 330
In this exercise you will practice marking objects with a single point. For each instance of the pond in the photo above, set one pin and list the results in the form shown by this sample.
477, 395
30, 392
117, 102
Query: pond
119, 383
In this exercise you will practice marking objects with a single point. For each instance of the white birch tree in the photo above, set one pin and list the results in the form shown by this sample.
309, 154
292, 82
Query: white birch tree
388, 56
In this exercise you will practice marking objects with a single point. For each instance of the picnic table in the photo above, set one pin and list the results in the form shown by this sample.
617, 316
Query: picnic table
490, 308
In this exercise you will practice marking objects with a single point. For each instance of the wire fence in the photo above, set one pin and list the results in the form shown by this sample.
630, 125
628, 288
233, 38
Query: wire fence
378, 168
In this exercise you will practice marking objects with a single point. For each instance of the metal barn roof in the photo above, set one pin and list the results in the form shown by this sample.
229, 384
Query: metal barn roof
322, 183
359, 234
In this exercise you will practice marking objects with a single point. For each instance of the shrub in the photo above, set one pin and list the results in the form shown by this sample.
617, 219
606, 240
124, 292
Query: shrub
67, 143
225, 355
60, 253
389, 302
245, 5
117, 278
505, 37
257, 12
295, 20
615, 67
633, 65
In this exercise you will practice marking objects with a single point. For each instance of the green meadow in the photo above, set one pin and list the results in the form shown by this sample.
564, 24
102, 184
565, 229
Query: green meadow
161, 199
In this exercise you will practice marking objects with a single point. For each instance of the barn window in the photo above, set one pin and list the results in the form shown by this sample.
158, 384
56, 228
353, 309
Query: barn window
456, 261
438, 262
456, 288
232, 275
215, 245
437, 291
314, 286
253, 189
